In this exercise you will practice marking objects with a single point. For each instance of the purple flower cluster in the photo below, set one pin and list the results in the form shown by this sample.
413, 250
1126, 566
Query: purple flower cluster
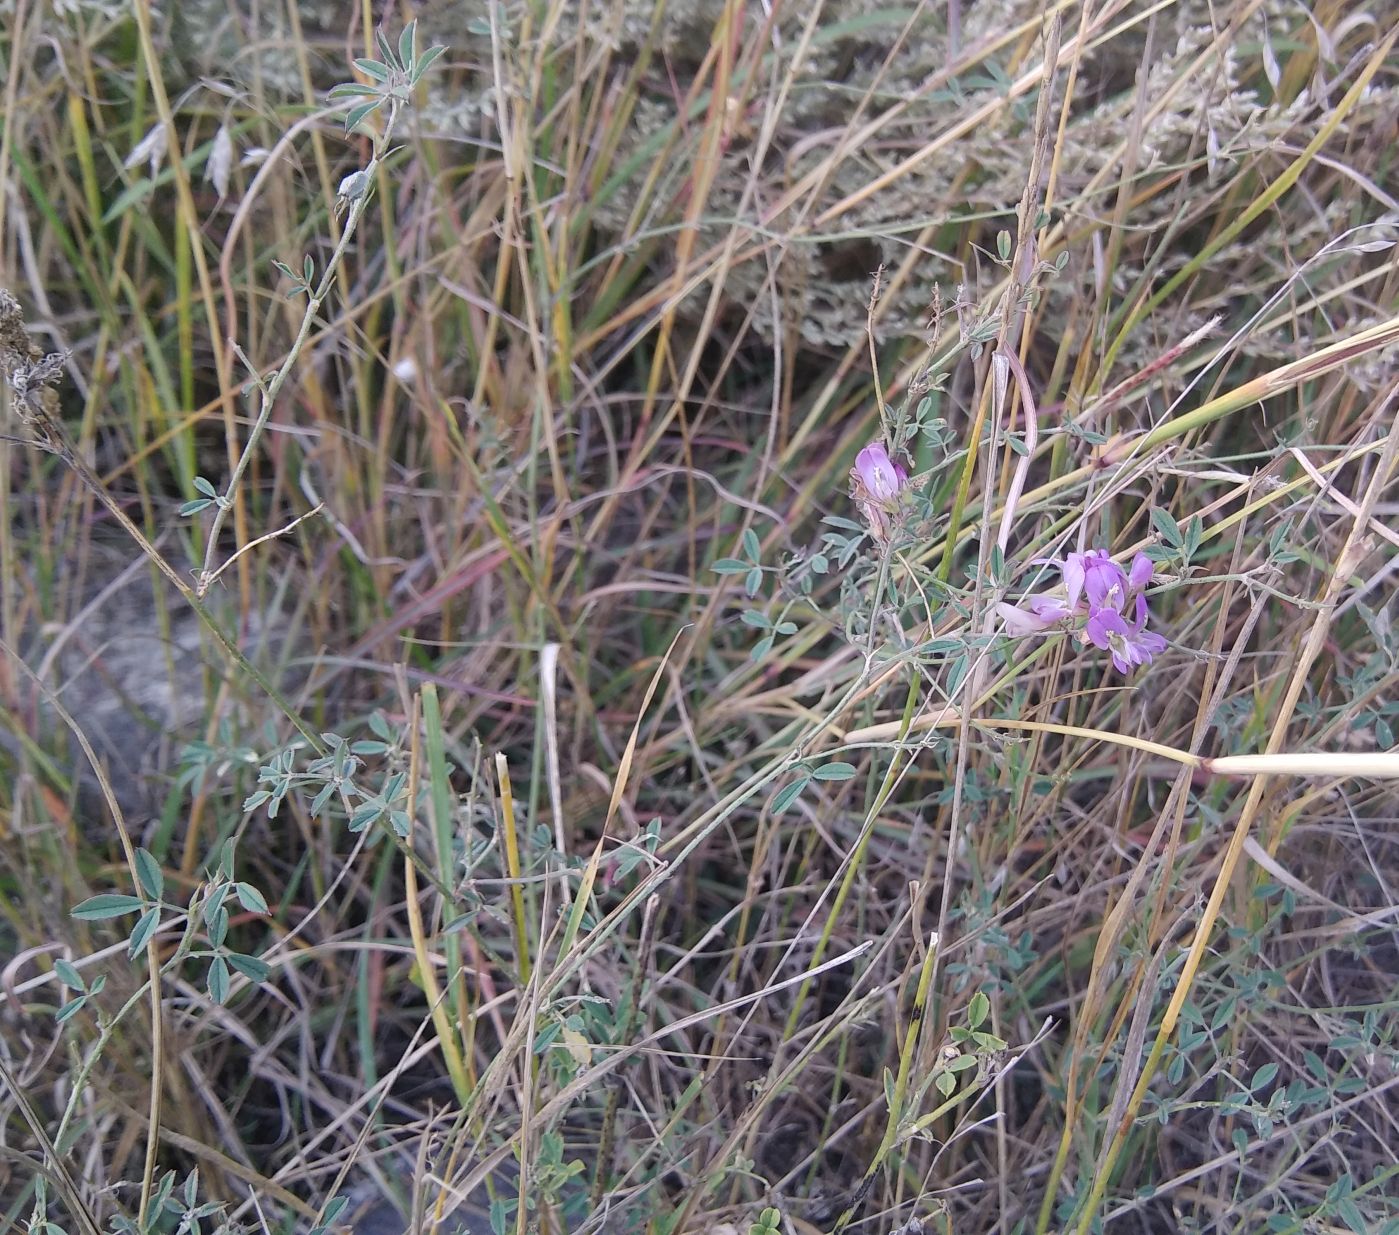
1096, 587
875, 481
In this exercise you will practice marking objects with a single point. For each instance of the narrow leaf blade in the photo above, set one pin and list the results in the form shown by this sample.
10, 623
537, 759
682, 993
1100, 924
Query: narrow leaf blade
107, 905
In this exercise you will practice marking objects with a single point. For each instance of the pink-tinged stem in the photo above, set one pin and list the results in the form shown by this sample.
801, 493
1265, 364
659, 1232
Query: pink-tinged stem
1032, 437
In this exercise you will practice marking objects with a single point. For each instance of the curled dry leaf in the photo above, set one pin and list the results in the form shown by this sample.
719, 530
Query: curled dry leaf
220, 161
149, 150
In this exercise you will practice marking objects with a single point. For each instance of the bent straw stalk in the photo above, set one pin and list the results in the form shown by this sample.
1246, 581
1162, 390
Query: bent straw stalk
1376, 765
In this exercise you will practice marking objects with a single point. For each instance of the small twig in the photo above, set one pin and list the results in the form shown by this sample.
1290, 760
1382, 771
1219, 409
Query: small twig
253, 544
874, 355
257, 377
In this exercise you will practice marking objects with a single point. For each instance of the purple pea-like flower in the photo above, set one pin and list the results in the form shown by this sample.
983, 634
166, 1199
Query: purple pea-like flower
1097, 577
875, 482
1093, 580
1098, 592
1131, 644
880, 477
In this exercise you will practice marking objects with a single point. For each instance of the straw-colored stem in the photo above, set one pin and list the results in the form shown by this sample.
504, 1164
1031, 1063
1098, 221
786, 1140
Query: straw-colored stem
1377, 765
509, 831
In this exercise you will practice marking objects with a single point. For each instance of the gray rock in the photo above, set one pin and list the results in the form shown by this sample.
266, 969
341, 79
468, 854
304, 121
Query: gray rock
134, 667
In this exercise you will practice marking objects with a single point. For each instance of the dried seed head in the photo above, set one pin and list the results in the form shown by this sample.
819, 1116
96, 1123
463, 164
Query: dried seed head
29, 372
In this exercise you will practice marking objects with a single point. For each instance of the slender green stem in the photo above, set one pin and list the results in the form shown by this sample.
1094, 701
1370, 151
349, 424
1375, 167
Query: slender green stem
269, 390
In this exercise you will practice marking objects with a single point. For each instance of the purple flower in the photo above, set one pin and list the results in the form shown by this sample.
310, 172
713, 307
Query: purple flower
879, 477
1131, 644
1034, 617
875, 481
1094, 575
1098, 593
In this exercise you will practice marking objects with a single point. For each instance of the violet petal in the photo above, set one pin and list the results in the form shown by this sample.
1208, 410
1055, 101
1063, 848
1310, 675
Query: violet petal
1018, 622
1034, 617
1142, 569
1072, 567
1104, 581
1102, 625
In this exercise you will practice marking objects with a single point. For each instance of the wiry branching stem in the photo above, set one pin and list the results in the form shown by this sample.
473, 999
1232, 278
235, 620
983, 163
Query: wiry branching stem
270, 389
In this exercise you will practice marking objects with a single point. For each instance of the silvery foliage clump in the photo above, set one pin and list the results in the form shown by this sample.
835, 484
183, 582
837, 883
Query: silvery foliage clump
335, 780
